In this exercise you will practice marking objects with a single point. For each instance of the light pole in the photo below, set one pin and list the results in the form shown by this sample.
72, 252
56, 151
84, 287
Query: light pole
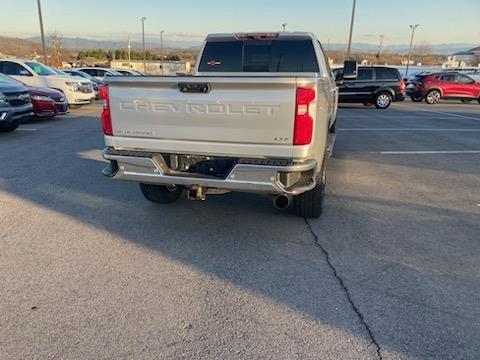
380, 48
161, 50
413, 27
129, 53
44, 49
351, 29
143, 44
284, 26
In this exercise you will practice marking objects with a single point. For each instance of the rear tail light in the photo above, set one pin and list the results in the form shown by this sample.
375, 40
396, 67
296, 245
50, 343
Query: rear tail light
402, 85
303, 128
105, 117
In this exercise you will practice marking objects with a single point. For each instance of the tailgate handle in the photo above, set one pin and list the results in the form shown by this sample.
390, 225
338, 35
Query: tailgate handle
194, 87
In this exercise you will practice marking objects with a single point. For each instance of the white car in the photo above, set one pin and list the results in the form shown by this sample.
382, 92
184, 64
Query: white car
126, 72
99, 73
33, 73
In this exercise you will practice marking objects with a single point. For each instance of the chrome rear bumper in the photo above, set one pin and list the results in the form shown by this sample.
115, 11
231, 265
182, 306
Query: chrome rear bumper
148, 168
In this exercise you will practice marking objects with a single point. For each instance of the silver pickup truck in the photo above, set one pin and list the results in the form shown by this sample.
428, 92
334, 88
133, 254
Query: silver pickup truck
258, 115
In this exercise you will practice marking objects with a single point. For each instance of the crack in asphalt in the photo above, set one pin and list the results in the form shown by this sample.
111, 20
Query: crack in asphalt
345, 289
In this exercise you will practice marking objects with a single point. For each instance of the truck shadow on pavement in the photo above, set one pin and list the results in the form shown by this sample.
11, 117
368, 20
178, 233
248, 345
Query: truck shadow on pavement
381, 249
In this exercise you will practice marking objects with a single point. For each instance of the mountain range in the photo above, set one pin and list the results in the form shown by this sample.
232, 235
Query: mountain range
438, 49
14, 46
84, 43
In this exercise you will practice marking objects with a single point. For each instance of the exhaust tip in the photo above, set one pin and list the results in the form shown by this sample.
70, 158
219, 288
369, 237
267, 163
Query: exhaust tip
282, 202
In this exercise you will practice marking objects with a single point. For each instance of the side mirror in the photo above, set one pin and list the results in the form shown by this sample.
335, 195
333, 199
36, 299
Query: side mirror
350, 69
339, 79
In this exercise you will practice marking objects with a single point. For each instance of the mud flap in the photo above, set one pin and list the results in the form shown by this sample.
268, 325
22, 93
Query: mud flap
331, 143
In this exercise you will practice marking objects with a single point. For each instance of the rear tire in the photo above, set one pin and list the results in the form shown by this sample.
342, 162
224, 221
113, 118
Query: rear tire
383, 100
417, 99
310, 203
161, 194
10, 127
433, 97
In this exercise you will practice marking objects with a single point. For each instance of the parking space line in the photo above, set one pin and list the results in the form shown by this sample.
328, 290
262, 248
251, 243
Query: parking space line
26, 129
408, 129
441, 113
69, 116
394, 117
430, 152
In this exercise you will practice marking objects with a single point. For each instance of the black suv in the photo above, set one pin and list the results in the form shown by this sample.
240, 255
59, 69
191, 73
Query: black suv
374, 85
15, 104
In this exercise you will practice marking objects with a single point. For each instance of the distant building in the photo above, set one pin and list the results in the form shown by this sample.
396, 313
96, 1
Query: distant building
168, 68
469, 57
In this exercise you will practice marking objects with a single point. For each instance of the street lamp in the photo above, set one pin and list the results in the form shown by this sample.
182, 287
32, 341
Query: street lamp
161, 49
413, 27
143, 44
129, 53
41, 32
380, 48
351, 29
284, 26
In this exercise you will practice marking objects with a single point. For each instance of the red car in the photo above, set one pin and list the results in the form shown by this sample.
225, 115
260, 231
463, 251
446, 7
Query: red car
445, 85
47, 102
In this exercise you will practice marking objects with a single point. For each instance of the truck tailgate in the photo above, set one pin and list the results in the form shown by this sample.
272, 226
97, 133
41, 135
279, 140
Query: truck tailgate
229, 110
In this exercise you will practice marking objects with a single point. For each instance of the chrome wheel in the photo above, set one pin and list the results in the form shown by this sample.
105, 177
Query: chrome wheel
383, 101
433, 97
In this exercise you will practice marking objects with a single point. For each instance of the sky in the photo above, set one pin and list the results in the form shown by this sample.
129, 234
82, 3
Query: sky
441, 21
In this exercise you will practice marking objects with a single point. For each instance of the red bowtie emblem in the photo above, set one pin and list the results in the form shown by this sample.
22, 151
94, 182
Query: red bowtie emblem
214, 62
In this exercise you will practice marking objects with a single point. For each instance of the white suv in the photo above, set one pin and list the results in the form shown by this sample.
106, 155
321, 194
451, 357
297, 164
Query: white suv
33, 73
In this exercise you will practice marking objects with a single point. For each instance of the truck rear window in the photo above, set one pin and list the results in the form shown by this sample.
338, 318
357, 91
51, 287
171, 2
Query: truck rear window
259, 56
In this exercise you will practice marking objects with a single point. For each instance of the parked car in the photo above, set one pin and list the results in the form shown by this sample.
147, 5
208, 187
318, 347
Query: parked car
46, 102
99, 73
444, 85
85, 80
413, 77
15, 104
374, 85
257, 116
125, 72
79, 73
33, 73
95, 82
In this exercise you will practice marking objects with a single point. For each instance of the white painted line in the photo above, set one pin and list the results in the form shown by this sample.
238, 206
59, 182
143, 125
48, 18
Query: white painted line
383, 115
409, 129
442, 113
69, 116
377, 115
433, 152
25, 129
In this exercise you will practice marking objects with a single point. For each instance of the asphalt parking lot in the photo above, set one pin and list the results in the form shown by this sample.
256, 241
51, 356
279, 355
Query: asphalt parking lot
90, 270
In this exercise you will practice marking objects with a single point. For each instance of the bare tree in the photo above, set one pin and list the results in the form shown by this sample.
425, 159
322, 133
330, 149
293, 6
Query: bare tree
56, 50
422, 49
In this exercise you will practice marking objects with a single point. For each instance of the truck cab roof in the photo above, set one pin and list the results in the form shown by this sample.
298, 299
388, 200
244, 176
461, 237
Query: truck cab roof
261, 35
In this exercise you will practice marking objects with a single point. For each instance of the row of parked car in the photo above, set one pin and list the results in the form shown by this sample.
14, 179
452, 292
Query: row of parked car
449, 85
381, 86
31, 89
